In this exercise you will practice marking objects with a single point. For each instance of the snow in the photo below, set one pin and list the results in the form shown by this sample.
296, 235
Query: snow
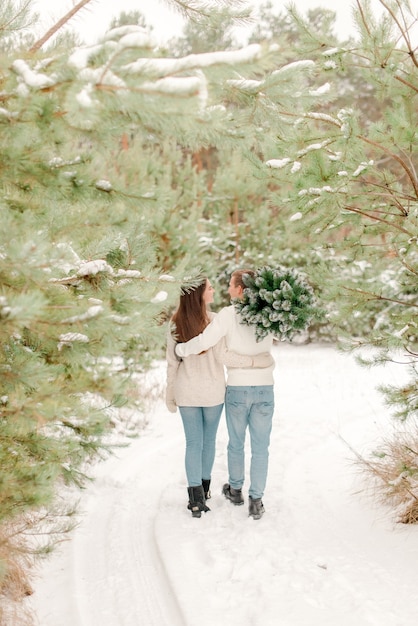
91, 268
159, 70
332, 51
91, 312
325, 88
81, 56
181, 85
362, 167
277, 163
129, 273
165, 66
104, 185
168, 278
30, 77
314, 146
67, 339
161, 296
295, 65
325, 553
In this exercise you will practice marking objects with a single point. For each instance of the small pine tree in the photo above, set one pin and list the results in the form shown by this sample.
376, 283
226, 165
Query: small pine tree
277, 301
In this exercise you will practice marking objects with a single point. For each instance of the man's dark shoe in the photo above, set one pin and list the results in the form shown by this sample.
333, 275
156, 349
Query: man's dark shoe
233, 495
256, 508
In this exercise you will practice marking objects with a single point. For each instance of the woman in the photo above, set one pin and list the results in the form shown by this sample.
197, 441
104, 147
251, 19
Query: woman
196, 385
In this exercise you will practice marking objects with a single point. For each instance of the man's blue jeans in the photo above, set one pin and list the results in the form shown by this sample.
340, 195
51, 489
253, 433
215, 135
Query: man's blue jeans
200, 427
252, 407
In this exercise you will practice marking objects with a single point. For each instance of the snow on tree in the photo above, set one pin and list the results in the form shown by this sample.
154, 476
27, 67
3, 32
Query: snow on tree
86, 135
277, 301
347, 171
123, 165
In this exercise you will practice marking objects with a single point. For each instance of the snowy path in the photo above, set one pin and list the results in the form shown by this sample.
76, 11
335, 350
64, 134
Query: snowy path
111, 572
128, 574
323, 554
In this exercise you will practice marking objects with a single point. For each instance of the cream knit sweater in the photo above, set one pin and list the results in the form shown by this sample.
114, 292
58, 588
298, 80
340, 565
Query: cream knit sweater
239, 338
199, 380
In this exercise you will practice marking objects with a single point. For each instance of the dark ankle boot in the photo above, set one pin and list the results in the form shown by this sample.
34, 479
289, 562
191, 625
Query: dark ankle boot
256, 508
197, 501
206, 488
233, 495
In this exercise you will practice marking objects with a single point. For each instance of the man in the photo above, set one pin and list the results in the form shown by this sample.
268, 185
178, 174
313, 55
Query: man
249, 399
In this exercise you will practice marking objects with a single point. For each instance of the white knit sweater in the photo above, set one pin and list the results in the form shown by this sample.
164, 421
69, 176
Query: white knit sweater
241, 339
199, 380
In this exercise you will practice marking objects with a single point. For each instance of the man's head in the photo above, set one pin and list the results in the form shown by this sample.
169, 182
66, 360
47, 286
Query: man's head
236, 284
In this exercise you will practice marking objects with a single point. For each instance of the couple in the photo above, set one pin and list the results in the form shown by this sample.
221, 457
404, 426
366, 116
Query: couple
199, 345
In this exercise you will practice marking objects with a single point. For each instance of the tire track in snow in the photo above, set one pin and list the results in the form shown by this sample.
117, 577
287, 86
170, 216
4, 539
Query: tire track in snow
113, 569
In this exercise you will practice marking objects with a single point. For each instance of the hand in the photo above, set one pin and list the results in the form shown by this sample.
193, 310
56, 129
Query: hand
264, 359
171, 406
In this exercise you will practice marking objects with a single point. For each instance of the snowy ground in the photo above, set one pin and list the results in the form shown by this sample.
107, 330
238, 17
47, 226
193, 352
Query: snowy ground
324, 554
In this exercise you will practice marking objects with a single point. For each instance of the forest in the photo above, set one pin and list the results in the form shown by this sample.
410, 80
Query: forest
129, 170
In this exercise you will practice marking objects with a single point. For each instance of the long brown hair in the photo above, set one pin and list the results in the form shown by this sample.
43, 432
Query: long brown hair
191, 317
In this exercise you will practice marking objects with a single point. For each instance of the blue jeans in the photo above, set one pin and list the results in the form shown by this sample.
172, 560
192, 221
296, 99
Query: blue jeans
200, 427
253, 407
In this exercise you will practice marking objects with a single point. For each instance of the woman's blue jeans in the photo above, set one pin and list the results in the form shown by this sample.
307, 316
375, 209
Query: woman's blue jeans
252, 407
200, 427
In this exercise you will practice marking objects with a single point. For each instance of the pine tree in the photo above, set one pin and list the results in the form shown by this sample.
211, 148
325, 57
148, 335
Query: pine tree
123, 167
277, 301
239, 211
348, 176
88, 133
